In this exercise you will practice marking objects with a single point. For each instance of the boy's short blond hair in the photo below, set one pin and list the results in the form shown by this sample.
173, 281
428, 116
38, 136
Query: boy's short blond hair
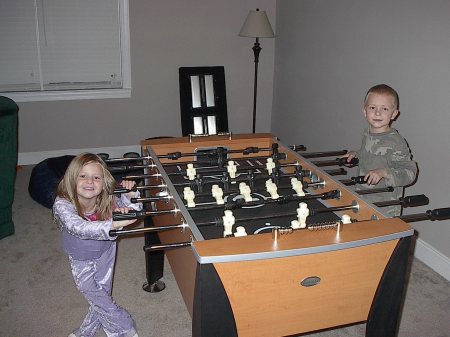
383, 89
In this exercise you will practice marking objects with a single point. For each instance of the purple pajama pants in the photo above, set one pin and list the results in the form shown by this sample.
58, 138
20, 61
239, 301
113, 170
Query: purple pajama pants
93, 279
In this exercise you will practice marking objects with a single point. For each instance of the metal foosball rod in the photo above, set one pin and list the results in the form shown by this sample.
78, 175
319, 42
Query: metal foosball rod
354, 181
117, 216
220, 162
142, 176
299, 175
165, 198
116, 232
213, 162
219, 156
419, 200
177, 155
375, 190
239, 169
120, 190
219, 221
167, 246
284, 199
220, 151
324, 154
127, 168
433, 215
231, 191
126, 159
215, 152
337, 172
361, 180
200, 181
276, 232
338, 161
409, 201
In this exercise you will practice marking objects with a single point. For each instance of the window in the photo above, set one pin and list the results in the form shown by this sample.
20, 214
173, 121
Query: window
64, 49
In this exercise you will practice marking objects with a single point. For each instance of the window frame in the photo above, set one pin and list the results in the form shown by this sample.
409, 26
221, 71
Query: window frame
61, 95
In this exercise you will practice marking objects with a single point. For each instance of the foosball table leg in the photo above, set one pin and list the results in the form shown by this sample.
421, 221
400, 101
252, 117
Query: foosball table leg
154, 262
384, 315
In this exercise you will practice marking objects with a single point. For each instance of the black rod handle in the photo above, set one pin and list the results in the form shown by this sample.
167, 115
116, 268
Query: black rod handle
344, 162
126, 168
439, 214
120, 190
433, 214
298, 147
415, 200
117, 216
376, 190
358, 180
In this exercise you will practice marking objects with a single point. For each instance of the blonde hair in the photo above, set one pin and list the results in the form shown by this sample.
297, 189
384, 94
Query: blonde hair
67, 188
383, 89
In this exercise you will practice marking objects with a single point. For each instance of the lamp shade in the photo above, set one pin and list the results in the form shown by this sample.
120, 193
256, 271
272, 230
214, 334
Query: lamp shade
257, 25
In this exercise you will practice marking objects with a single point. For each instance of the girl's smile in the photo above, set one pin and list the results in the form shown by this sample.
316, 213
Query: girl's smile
89, 183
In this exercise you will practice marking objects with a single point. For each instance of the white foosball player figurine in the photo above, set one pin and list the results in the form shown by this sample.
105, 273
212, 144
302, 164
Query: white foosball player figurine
191, 171
240, 231
228, 222
297, 186
245, 191
189, 196
232, 169
217, 194
346, 219
295, 224
270, 165
271, 188
302, 214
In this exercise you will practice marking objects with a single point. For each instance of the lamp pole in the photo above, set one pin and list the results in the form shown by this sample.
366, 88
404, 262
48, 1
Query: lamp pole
256, 25
256, 49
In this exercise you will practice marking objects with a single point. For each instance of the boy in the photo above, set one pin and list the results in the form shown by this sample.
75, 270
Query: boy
384, 156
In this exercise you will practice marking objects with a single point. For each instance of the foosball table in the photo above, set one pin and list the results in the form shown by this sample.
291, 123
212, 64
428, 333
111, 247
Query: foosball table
262, 241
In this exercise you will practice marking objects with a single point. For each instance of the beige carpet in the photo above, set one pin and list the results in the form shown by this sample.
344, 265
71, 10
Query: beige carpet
39, 299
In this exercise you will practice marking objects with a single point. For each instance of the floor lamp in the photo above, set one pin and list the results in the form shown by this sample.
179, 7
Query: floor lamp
256, 25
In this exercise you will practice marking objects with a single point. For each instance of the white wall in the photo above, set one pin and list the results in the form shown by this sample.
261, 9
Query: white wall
165, 35
329, 53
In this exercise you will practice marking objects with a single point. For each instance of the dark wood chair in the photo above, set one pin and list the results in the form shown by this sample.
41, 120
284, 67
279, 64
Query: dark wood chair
203, 100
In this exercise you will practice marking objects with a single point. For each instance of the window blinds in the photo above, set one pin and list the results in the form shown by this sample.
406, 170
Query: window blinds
59, 45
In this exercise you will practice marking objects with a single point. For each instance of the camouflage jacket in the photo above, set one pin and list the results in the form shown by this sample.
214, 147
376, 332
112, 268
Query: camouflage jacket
386, 150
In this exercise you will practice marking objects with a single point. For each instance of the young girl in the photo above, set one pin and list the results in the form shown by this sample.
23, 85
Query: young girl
83, 208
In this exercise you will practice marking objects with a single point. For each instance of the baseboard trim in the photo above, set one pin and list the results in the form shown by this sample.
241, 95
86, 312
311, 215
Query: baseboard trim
433, 258
32, 158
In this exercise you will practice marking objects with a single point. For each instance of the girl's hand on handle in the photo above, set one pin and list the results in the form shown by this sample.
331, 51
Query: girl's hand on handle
122, 223
129, 185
